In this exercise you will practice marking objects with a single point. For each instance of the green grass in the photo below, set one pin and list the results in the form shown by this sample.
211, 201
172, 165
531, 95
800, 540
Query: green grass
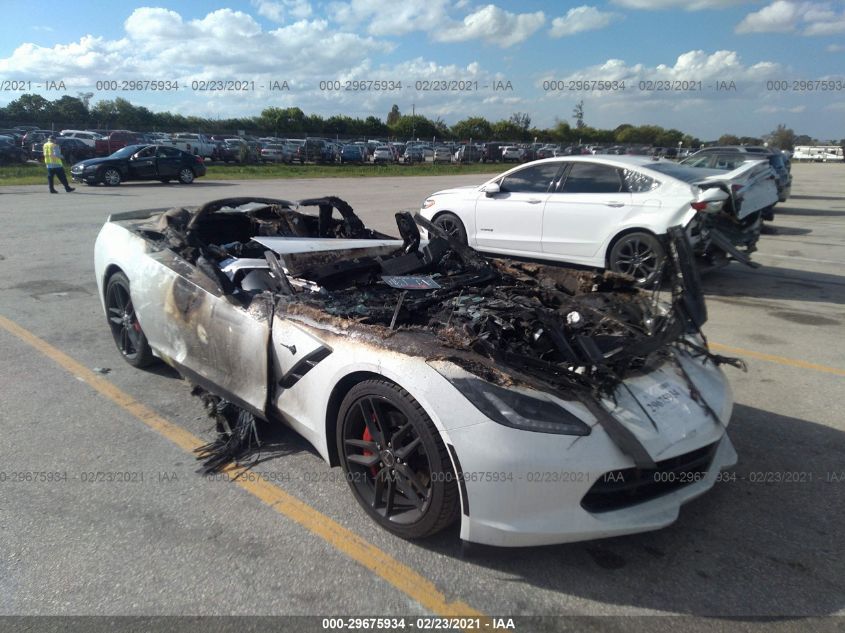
28, 174
36, 174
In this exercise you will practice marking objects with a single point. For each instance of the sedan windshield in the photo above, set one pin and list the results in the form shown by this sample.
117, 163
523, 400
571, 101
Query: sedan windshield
127, 151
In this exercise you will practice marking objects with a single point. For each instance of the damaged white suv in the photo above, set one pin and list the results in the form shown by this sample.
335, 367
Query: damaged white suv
534, 404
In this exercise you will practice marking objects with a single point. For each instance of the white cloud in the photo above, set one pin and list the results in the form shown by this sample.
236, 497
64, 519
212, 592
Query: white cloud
488, 23
492, 25
787, 16
689, 5
161, 44
701, 78
834, 48
770, 109
779, 17
827, 27
397, 19
451, 105
276, 10
225, 44
67, 61
580, 19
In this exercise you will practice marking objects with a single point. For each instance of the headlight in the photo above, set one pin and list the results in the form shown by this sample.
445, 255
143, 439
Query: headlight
518, 410
428, 203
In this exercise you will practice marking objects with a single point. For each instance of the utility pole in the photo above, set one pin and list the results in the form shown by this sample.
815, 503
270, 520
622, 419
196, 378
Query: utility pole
413, 121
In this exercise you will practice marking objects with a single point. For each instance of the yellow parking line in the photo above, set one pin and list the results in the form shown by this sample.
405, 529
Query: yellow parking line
780, 360
402, 577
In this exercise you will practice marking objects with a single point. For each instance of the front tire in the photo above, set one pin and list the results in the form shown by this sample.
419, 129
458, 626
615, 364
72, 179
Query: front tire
186, 175
111, 177
452, 225
125, 328
639, 255
395, 461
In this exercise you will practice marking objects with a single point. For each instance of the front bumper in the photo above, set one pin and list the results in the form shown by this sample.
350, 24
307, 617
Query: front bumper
522, 489
558, 516
80, 176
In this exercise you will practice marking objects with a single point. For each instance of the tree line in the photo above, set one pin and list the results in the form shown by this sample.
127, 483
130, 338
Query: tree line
119, 113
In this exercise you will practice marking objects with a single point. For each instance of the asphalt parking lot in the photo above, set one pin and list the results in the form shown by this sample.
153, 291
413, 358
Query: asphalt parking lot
164, 541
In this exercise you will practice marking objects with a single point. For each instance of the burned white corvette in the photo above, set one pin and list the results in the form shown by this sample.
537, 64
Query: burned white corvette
535, 404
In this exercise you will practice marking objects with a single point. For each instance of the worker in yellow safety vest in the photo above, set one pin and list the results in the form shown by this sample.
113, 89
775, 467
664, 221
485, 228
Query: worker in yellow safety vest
53, 160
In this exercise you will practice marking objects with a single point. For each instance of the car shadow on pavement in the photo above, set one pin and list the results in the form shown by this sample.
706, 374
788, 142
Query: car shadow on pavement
781, 210
742, 285
766, 543
773, 229
807, 197
154, 183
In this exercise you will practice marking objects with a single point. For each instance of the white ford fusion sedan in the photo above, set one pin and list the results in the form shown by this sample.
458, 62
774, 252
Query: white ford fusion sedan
532, 404
608, 211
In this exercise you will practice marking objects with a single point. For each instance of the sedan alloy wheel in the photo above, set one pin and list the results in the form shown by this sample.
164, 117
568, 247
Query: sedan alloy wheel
639, 255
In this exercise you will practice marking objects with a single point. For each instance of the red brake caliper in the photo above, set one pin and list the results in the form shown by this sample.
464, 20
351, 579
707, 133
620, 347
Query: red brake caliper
367, 437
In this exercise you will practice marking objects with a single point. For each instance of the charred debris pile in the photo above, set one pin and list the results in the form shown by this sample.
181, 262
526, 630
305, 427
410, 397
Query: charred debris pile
544, 325
556, 326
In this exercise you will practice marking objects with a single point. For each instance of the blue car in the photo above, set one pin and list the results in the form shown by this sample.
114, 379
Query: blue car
352, 154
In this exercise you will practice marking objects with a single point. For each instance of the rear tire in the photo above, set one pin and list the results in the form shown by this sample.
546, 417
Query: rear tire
126, 330
639, 255
186, 175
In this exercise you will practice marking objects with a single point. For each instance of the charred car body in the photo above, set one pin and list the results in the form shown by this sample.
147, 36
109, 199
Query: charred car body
537, 404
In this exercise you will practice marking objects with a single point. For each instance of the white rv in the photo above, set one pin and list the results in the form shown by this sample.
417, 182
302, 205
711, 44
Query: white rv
818, 153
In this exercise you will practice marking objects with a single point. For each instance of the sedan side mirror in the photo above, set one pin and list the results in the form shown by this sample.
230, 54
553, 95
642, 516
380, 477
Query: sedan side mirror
492, 189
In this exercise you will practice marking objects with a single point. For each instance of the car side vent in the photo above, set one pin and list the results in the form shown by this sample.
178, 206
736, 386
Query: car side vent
303, 367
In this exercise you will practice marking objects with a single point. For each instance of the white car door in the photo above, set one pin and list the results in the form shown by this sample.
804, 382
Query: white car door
590, 202
511, 221
215, 342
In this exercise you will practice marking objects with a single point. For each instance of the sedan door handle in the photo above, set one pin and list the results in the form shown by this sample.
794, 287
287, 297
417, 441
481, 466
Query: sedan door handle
534, 201
614, 204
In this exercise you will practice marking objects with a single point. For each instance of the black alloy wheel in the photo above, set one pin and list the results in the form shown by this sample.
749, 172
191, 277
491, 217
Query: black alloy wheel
395, 461
125, 328
639, 255
452, 225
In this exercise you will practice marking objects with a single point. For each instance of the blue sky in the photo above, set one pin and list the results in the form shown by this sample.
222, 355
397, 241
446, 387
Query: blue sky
646, 43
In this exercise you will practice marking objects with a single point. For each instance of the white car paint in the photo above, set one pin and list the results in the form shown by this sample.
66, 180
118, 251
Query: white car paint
580, 227
88, 138
540, 503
